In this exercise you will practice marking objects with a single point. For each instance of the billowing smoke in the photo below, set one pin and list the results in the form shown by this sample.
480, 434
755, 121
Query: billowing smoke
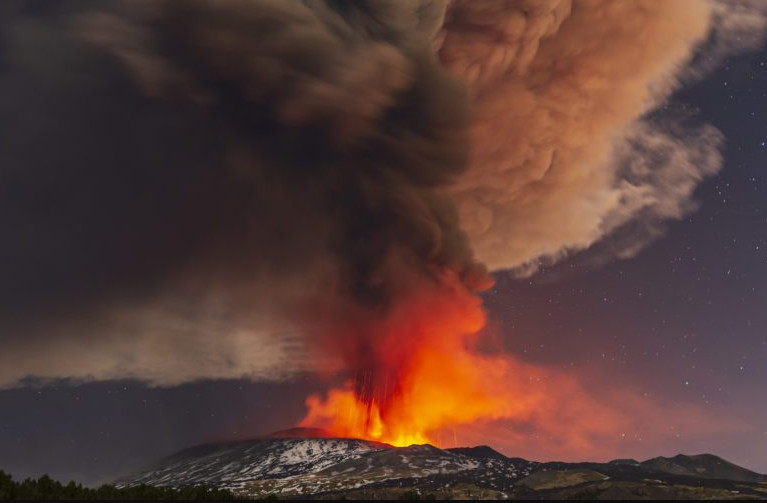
198, 169
565, 150
249, 188
573, 140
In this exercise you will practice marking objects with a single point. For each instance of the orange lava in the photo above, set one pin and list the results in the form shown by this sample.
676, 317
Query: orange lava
418, 372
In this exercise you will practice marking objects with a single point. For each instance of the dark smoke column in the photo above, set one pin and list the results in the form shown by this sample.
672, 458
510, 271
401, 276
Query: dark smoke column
192, 162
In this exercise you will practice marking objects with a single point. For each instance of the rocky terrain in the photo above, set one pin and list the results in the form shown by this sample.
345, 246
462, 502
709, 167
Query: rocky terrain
323, 468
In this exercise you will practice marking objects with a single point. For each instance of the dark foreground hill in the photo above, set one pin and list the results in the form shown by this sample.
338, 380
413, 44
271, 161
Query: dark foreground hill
325, 468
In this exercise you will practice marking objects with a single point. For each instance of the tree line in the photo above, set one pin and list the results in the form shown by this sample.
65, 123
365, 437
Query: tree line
45, 488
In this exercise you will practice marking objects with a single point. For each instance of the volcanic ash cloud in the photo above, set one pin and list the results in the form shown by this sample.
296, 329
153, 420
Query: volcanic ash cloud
252, 188
198, 176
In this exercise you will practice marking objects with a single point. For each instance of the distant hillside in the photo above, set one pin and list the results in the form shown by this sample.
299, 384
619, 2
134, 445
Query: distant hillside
703, 465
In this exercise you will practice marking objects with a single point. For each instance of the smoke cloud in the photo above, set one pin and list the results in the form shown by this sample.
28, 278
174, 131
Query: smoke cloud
566, 149
176, 170
192, 189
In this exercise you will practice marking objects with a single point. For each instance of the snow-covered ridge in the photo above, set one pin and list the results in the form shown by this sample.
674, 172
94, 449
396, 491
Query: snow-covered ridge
234, 464
295, 467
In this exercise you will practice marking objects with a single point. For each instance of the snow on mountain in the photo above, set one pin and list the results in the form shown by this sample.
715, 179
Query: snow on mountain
433, 468
292, 466
234, 464
295, 466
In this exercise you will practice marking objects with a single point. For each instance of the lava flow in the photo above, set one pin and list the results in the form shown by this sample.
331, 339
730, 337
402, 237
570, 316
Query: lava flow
416, 372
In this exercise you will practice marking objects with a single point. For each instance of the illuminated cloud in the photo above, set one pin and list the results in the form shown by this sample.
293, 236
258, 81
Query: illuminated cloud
568, 142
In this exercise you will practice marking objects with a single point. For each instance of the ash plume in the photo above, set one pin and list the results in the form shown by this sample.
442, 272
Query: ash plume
193, 188
173, 168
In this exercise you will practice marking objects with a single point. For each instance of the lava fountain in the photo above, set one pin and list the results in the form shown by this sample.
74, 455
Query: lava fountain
415, 371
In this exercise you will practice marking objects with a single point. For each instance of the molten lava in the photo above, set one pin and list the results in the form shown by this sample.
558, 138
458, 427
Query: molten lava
417, 371
417, 375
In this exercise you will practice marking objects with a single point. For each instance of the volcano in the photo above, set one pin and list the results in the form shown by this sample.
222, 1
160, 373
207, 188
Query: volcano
301, 463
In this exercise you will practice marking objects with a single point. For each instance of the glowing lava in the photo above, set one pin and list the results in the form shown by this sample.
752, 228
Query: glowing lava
418, 371
418, 375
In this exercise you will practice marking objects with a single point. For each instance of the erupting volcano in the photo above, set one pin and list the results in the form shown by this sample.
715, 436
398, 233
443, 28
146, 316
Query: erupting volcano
265, 190
416, 372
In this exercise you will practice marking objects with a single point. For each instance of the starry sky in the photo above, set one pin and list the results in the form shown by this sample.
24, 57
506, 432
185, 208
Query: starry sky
685, 320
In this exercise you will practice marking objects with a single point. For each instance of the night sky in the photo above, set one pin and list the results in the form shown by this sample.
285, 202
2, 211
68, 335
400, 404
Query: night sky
683, 321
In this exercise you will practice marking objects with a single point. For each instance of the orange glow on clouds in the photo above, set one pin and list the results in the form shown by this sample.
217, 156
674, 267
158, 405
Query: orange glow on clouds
419, 377
426, 374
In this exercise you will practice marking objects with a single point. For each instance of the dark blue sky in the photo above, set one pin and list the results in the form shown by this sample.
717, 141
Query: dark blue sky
685, 320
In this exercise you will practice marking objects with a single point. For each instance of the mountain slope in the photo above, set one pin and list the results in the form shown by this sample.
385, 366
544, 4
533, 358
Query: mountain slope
424, 466
297, 467
703, 465
232, 465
